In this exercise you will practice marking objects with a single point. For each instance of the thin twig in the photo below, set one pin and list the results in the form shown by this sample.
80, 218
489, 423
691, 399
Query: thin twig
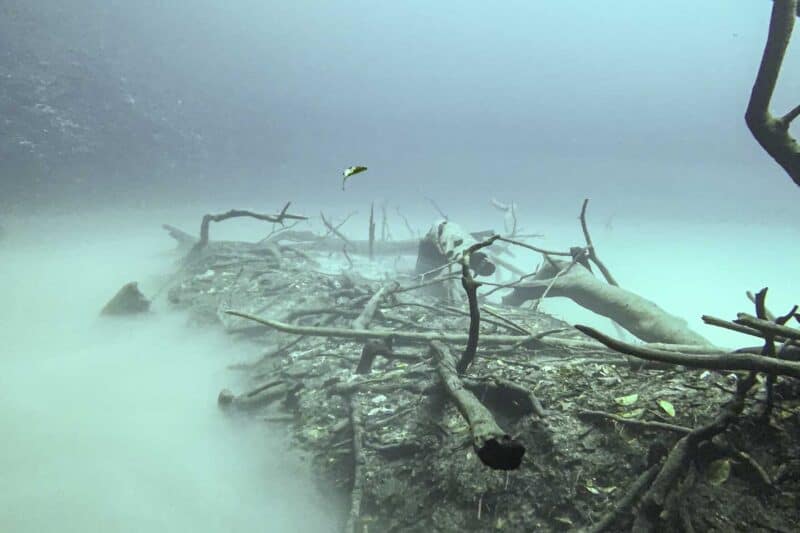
637, 423
534, 248
590, 246
332, 229
437, 208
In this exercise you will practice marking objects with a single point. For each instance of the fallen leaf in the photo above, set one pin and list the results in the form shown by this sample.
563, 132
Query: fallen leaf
718, 472
667, 407
630, 399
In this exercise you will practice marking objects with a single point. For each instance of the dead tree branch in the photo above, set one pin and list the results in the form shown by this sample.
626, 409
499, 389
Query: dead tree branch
234, 213
727, 361
372, 231
386, 233
767, 328
334, 229
495, 448
590, 247
399, 336
626, 503
410, 337
726, 324
259, 397
642, 318
365, 318
437, 208
653, 503
773, 133
183, 238
534, 248
359, 461
372, 349
471, 288
411, 231
643, 424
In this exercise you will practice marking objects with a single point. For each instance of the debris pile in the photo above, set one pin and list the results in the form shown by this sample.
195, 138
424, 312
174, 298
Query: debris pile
542, 428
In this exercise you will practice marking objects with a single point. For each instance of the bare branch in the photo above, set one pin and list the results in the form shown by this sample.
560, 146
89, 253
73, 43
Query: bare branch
590, 246
233, 213
790, 116
534, 248
770, 132
728, 361
334, 230
495, 448
471, 288
767, 327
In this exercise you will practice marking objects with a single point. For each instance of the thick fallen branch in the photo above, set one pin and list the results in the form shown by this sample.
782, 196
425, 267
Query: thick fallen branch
183, 238
772, 133
372, 349
359, 461
554, 279
495, 448
727, 361
641, 317
365, 318
517, 395
261, 396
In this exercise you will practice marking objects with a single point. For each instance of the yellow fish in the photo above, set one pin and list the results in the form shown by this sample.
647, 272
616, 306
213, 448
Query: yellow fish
351, 171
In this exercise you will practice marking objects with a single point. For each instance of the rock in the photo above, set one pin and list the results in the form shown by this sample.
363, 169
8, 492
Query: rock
128, 300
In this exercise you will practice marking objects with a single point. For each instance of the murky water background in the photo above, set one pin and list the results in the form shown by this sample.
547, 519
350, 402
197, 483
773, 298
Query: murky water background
112, 425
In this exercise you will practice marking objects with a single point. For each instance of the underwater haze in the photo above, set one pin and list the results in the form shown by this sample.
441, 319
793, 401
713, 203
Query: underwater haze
638, 105
112, 424
118, 116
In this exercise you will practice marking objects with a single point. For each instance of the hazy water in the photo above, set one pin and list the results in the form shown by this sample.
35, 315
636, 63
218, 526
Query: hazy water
112, 425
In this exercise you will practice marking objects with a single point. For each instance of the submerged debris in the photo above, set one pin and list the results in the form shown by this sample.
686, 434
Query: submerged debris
358, 367
128, 301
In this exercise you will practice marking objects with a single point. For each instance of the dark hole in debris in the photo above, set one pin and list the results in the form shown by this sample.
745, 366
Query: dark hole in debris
505, 454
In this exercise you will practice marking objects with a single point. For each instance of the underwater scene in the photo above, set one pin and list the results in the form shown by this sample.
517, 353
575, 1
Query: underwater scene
364, 267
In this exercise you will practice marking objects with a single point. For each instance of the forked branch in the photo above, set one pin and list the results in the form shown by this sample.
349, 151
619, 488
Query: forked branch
233, 213
771, 132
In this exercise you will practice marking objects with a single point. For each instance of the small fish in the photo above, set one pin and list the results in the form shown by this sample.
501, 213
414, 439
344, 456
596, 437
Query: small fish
351, 171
